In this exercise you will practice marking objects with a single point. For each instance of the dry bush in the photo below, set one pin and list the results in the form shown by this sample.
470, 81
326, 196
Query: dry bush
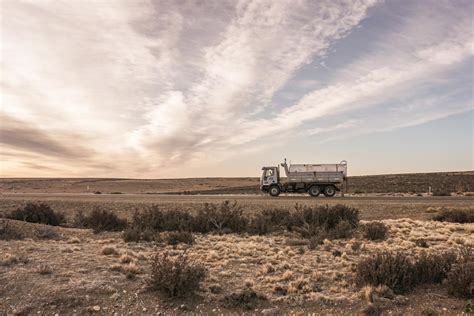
79, 220
433, 267
153, 218
109, 251
226, 217
37, 213
343, 229
269, 220
393, 269
245, 299
174, 238
401, 273
176, 276
176, 220
130, 270
456, 216
8, 232
133, 234
338, 221
315, 241
460, 280
375, 231
103, 220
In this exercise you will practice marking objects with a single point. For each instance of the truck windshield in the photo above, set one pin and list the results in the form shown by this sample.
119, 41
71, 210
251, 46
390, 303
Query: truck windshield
269, 173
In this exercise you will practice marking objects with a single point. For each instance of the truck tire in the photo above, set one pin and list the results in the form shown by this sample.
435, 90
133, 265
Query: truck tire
314, 191
329, 191
274, 190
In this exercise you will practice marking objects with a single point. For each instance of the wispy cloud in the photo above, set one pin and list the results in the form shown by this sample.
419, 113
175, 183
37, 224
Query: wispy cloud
136, 86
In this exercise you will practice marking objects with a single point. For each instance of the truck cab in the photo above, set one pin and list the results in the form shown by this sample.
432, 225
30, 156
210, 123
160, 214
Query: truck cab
270, 180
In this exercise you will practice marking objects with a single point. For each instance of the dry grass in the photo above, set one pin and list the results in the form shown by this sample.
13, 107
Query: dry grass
289, 275
109, 251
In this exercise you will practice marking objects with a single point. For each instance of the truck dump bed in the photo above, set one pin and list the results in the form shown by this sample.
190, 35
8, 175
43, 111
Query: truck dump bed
324, 173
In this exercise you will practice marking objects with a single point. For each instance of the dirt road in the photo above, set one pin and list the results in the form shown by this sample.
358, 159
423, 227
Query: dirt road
370, 207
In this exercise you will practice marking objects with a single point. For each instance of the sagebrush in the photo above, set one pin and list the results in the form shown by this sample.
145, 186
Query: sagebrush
456, 216
100, 220
401, 272
176, 275
40, 213
375, 231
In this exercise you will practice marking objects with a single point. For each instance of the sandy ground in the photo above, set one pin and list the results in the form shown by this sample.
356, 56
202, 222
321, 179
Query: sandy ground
71, 275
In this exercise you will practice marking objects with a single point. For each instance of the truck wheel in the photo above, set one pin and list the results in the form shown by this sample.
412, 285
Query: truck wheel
329, 191
314, 191
274, 190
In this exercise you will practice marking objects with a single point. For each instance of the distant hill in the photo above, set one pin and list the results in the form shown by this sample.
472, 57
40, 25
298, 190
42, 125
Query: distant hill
406, 183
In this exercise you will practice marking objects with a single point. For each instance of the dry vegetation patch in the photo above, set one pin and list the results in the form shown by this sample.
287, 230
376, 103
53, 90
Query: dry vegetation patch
176, 275
40, 213
456, 216
266, 264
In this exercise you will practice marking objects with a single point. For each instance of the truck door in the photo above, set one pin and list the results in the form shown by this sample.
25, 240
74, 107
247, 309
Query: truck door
270, 176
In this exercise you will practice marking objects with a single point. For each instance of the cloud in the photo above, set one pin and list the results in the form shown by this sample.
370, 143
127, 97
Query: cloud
259, 51
162, 87
23, 136
399, 68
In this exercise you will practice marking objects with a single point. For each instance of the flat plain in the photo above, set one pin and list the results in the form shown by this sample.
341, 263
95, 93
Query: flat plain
77, 271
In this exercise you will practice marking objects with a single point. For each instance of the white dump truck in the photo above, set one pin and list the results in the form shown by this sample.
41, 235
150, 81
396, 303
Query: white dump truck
305, 178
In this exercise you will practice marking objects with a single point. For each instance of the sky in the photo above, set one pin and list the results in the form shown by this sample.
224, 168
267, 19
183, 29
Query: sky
217, 88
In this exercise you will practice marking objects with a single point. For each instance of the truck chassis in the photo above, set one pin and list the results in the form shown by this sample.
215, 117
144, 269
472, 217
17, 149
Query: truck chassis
314, 189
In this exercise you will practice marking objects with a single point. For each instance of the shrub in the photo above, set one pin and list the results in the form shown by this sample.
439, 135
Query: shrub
174, 238
375, 231
456, 216
154, 218
400, 273
8, 232
103, 220
133, 234
223, 218
391, 269
268, 220
316, 240
109, 251
337, 221
433, 267
79, 220
343, 229
460, 280
37, 213
176, 276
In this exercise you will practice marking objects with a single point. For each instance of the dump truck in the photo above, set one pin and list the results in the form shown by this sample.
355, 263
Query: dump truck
313, 179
